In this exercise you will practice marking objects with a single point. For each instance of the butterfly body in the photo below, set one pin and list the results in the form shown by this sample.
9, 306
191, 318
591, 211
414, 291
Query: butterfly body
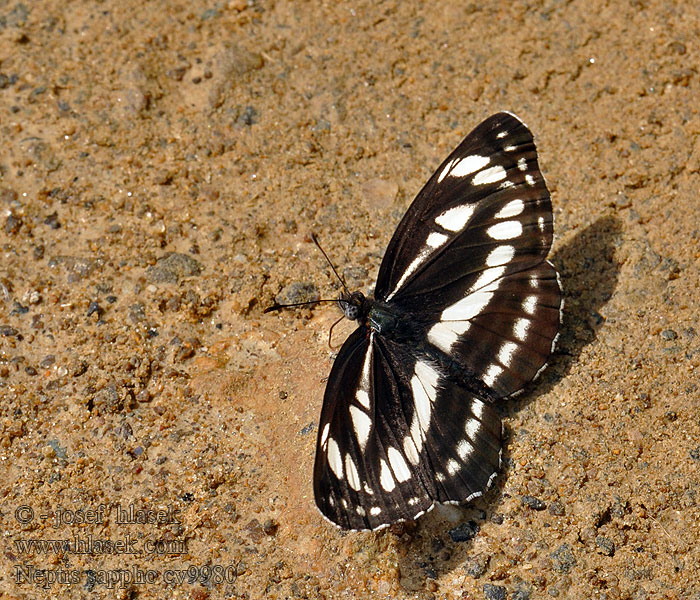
465, 312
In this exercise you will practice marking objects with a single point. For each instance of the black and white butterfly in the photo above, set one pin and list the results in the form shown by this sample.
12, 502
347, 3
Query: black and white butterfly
465, 312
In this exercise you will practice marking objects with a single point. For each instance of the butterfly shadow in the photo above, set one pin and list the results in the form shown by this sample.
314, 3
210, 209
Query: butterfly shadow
589, 272
442, 541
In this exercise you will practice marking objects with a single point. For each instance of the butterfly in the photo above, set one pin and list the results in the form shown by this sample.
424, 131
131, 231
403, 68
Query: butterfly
465, 311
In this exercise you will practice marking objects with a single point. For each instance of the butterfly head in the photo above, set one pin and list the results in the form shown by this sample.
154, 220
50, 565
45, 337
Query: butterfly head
353, 305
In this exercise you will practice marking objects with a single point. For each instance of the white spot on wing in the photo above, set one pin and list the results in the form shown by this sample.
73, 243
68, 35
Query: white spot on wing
335, 462
351, 472
385, 478
452, 466
360, 511
488, 278
464, 448
417, 261
363, 398
362, 393
422, 404
324, 434
491, 373
501, 134
505, 354
472, 428
512, 209
463, 310
416, 432
477, 408
455, 219
469, 165
520, 328
522, 164
428, 377
505, 231
435, 240
530, 304
398, 465
445, 171
410, 450
445, 333
362, 425
530, 179
423, 385
490, 175
500, 255
375, 510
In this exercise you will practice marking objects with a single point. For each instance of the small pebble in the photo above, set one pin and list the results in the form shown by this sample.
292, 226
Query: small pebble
172, 268
270, 527
556, 509
605, 545
533, 503
47, 361
563, 559
464, 532
94, 307
297, 292
476, 566
494, 592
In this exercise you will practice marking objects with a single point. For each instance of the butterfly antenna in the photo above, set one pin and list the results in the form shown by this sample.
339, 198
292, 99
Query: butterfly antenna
330, 333
277, 306
342, 282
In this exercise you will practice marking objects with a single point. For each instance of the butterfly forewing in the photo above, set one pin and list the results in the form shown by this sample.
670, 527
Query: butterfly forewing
467, 311
470, 256
477, 186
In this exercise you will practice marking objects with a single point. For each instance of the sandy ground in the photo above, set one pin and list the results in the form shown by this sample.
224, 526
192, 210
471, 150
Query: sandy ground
162, 165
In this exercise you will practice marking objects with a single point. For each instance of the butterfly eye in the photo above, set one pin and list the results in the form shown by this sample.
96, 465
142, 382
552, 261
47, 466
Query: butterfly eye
350, 311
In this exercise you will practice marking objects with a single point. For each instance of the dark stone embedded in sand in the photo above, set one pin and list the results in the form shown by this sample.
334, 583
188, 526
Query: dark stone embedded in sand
605, 545
94, 307
533, 503
47, 361
270, 527
564, 559
76, 267
173, 267
8, 331
464, 532
13, 224
52, 221
494, 592
297, 292
521, 594
556, 509
476, 566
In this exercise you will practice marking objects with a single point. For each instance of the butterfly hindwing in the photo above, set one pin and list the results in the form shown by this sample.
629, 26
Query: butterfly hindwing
396, 435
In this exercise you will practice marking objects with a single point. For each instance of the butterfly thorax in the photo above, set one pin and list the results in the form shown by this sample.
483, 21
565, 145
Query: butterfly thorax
378, 316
